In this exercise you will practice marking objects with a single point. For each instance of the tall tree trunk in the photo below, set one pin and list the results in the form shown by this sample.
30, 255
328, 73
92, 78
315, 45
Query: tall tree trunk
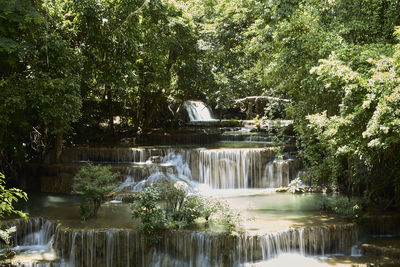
59, 146
45, 142
139, 114
350, 189
110, 109
151, 110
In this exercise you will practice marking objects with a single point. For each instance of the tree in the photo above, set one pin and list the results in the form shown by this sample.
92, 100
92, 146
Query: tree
52, 86
363, 138
323, 56
229, 40
40, 94
18, 19
94, 183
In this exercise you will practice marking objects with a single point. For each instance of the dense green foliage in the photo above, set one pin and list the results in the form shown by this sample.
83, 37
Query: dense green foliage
347, 208
69, 68
5, 235
8, 198
170, 206
93, 183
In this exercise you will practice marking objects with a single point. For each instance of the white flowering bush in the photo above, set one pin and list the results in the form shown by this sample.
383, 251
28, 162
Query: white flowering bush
297, 186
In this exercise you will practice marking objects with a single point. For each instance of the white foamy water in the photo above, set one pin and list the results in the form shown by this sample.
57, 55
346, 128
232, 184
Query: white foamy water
198, 111
289, 259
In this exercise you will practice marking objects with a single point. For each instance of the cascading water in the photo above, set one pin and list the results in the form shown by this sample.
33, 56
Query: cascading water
198, 111
107, 155
33, 243
229, 168
278, 173
37, 232
172, 166
233, 168
127, 247
216, 168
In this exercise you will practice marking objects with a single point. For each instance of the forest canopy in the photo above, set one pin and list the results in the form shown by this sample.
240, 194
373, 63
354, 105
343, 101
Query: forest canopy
66, 66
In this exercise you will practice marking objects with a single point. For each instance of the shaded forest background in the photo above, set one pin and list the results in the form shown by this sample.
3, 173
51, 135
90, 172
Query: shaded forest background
67, 66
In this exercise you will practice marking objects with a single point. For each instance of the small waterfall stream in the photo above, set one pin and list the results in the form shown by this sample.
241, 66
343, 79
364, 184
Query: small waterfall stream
34, 243
198, 111
233, 168
36, 232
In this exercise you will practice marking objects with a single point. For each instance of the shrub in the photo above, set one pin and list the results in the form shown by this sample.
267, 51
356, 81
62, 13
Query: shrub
170, 206
150, 213
7, 198
94, 183
296, 186
230, 219
347, 208
5, 235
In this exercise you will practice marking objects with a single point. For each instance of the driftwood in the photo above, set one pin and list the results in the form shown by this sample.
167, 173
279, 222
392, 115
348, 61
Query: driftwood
256, 98
6, 256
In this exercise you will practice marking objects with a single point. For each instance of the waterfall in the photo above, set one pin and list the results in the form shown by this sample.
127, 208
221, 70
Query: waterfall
107, 155
198, 111
126, 247
233, 168
114, 247
33, 242
218, 168
279, 173
245, 168
356, 251
35, 232
185, 248
173, 165
229, 168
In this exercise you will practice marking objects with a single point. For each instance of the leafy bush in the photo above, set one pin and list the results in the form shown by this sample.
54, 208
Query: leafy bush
229, 218
346, 208
169, 206
297, 186
94, 183
5, 235
7, 197
150, 213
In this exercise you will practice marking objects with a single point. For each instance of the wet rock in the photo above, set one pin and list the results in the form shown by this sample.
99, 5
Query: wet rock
378, 251
61, 183
282, 189
7, 255
156, 159
129, 141
383, 224
128, 197
316, 189
327, 190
